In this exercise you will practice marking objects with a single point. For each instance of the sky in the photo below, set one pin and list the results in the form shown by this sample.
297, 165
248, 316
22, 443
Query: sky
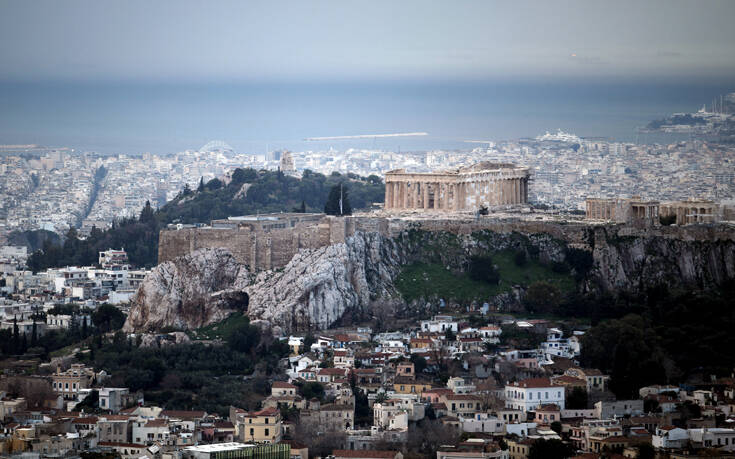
200, 41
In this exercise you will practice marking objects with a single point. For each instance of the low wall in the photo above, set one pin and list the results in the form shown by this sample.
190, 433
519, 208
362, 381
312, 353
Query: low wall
274, 249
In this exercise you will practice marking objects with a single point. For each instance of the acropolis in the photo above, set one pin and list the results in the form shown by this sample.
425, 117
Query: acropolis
464, 189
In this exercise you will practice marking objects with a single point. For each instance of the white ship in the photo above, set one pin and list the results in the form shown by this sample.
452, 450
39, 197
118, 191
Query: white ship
560, 136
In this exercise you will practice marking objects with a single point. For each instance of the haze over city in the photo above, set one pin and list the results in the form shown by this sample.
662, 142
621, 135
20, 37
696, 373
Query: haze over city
367, 230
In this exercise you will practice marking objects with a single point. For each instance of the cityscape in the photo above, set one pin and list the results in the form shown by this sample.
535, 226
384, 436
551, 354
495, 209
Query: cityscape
334, 230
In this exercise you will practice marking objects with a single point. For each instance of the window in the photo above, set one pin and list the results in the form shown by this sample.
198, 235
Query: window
267, 432
252, 432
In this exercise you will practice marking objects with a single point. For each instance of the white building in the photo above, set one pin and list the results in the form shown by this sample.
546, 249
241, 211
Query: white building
390, 415
723, 439
528, 394
558, 346
670, 437
490, 333
482, 422
113, 398
439, 324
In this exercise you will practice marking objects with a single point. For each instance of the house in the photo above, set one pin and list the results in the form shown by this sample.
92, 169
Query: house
262, 426
390, 415
280, 388
528, 394
490, 333
330, 418
114, 428
149, 431
308, 374
114, 398
343, 359
482, 422
473, 448
440, 324
722, 439
593, 378
367, 376
403, 385
421, 344
547, 413
619, 408
470, 344
558, 346
69, 383
434, 395
460, 386
461, 404
519, 449
125, 450
328, 375
406, 370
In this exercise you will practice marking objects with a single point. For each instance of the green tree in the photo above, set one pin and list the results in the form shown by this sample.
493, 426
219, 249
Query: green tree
34, 334
542, 297
16, 337
338, 202
108, 318
146, 215
482, 269
244, 338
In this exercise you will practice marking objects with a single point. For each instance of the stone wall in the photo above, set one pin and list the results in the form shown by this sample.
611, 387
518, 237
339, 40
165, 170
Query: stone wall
274, 249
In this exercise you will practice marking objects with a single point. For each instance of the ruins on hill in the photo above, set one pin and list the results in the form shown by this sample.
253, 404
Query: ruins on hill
465, 189
638, 211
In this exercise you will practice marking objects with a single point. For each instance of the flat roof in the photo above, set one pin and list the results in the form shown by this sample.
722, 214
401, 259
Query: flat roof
217, 447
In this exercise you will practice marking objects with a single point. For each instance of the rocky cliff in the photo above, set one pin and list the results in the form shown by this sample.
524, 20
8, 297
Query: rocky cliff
319, 285
189, 292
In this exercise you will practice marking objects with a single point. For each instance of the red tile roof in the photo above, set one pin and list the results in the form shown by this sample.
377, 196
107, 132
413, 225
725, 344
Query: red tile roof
183, 414
533, 383
282, 385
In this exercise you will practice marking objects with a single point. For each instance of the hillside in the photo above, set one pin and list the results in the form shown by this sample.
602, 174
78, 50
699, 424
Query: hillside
249, 192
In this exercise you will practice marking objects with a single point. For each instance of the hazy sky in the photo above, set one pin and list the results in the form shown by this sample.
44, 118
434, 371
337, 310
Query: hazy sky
348, 40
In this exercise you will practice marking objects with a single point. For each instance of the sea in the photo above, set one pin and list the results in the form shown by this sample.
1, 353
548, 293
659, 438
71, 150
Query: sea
253, 118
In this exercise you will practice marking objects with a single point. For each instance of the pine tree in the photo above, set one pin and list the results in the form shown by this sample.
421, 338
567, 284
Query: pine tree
84, 328
23, 344
200, 188
303, 207
16, 338
146, 215
336, 194
34, 334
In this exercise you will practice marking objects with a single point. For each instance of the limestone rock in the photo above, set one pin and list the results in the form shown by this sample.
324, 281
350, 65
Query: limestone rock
318, 286
192, 291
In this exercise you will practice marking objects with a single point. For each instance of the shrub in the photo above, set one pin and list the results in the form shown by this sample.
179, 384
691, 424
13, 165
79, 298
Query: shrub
483, 270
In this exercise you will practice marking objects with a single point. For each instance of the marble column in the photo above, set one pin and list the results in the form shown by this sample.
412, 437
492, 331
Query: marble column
425, 189
388, 187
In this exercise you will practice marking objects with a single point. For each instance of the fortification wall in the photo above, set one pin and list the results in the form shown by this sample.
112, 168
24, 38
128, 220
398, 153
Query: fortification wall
274, 249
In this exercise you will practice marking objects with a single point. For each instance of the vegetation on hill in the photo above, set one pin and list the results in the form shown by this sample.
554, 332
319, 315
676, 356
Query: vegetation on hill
196, 376
674, 336
249, 192
253, 192
486, 277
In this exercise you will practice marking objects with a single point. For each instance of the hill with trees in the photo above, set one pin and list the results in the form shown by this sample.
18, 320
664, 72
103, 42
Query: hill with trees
248, 192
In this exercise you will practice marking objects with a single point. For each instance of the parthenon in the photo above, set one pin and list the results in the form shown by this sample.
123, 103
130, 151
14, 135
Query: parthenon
467, 188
